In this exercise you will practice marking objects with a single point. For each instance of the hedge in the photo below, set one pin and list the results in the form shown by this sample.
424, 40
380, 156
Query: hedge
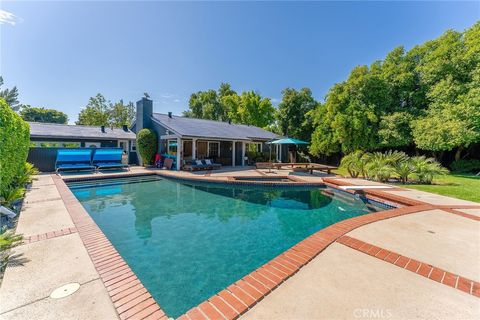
147, 145
14, 144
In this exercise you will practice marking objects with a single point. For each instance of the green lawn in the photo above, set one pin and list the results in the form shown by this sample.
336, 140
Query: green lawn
461, 186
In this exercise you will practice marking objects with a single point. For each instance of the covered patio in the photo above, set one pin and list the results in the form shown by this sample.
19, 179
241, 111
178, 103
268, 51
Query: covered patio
225, 152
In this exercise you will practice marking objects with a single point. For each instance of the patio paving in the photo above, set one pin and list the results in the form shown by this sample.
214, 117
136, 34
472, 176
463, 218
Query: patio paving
342, 283
339, 283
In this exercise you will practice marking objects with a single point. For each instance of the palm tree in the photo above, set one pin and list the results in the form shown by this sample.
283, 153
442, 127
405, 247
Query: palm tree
403, 169
380, 166
355, 163
10, 96
427, 168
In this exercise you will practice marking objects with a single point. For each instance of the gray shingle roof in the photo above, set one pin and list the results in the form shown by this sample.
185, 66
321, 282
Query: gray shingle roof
192, 127
64, 131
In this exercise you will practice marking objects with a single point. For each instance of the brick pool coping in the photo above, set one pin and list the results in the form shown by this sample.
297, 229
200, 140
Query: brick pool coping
421, 268
128, 295
133, 301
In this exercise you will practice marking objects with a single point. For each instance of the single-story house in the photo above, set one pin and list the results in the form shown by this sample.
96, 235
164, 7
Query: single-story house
190, 138
46, 138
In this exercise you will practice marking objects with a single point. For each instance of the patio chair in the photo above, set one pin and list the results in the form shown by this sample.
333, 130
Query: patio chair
168, 163
109, 159
74, 159
211, 165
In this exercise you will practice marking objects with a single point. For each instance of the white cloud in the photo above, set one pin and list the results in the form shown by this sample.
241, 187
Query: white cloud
8, 18
176, 100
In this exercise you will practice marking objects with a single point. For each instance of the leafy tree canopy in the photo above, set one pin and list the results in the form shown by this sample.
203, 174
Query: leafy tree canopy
294, 116
226, 105
39, 114
100, 112
427, 97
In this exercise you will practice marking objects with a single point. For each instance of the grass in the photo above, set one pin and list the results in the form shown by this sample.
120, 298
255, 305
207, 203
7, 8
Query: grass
462, 186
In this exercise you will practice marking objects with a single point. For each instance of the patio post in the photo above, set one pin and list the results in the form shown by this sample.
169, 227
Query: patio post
179, 152
194, 149
243, 153
233, 153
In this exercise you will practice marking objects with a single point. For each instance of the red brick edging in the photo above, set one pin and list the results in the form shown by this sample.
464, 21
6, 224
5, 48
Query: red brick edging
129, 297
49, 235
420, 268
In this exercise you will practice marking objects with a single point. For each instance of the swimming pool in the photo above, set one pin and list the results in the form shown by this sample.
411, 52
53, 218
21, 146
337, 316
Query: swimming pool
186, 241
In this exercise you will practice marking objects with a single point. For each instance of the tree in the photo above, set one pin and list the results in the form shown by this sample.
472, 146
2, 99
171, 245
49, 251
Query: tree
10, 96
39, 114
394, 129
451, 69
226, 105
251, 109
122, 114
100, 112
294, 113
349, 119
427, 98
96, 113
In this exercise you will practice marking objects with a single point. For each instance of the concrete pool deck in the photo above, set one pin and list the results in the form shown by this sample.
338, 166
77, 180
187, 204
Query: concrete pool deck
431, 268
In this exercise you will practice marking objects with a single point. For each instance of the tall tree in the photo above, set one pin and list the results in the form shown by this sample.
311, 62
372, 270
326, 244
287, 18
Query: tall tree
294, 113
122, 114
426, 98
226, 105
100, 112
10, 96
95, 113
251, 109
39, 114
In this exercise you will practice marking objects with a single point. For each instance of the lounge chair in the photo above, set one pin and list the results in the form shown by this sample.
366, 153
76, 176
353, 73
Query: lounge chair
205, 164
109, 159
74, 159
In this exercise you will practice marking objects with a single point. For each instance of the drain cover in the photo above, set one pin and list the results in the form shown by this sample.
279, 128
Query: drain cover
65, 290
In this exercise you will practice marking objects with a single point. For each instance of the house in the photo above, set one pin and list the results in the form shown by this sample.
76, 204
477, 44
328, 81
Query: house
46, 138
190, 138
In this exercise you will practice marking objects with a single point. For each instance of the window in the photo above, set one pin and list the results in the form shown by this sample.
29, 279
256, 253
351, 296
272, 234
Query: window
213, 149
55, 144
92, 144
133, 145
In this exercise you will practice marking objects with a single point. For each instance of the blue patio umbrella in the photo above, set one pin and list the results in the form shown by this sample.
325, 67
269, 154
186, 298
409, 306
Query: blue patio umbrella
286, 141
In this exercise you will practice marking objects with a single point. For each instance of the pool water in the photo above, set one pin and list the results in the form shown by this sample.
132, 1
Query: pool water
188, 241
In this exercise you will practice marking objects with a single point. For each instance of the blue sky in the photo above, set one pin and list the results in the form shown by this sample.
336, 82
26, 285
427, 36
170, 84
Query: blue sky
61, 53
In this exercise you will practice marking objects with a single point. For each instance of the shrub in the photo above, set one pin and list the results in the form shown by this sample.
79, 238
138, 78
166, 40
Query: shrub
14, 145
147, 145
8, 240
382, 166
26, 175
355, 163
403, 169
427, 168
257, 156
11, 194
472, 165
